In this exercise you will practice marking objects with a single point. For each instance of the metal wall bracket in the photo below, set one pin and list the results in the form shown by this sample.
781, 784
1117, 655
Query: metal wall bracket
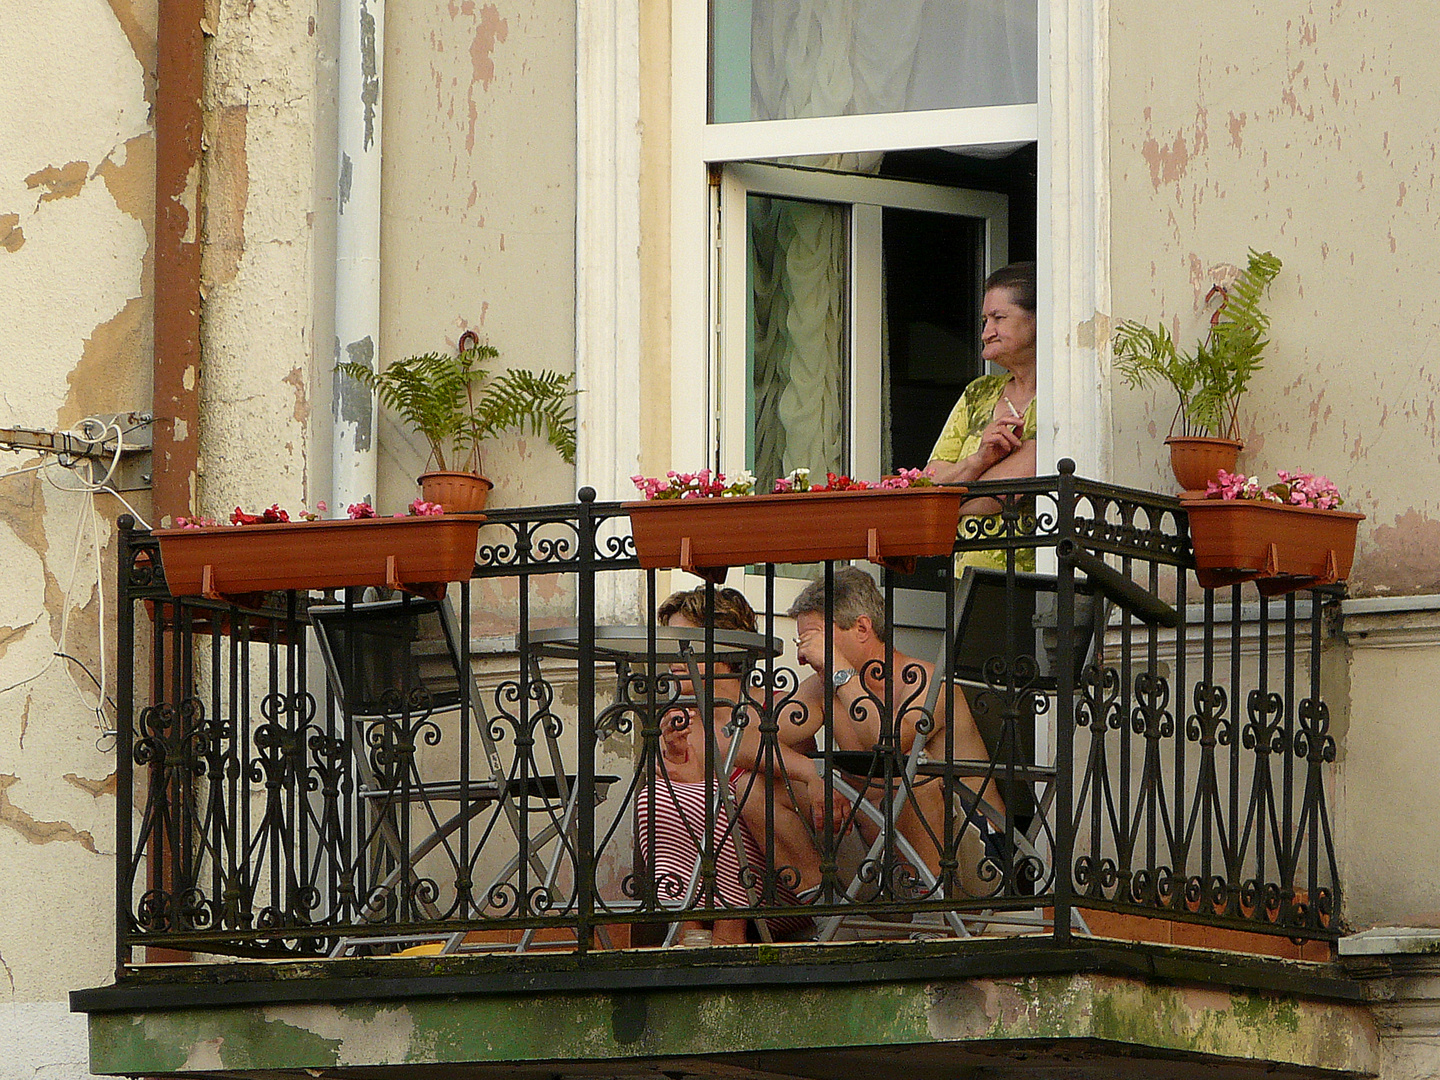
136, 442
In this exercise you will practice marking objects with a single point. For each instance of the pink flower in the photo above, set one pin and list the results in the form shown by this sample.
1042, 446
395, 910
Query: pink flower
360, 510
1294, 489
421, 508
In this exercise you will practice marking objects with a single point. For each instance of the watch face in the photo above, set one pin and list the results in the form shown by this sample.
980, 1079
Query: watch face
840, 678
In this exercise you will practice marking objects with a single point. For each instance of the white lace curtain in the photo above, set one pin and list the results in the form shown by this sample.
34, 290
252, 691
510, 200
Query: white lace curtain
833, 58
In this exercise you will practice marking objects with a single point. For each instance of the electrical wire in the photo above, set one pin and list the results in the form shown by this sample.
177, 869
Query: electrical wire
93, 432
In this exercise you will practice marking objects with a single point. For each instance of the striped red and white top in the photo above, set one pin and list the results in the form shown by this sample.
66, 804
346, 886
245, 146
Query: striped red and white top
680, 820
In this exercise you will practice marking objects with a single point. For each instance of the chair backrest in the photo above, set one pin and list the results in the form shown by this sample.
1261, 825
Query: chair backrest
992, 619
376, 650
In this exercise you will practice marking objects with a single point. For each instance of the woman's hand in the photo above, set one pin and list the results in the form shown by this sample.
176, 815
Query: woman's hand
675, 736
998, 441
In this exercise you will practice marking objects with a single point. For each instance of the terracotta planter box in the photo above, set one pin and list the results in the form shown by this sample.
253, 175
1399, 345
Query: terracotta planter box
707, 536
419, 554
1280, 548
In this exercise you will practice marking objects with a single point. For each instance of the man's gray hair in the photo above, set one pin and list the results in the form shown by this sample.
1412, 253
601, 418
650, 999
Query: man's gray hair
855, 594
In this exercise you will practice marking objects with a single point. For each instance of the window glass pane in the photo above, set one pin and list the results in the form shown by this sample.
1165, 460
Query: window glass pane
798, 384
781, 59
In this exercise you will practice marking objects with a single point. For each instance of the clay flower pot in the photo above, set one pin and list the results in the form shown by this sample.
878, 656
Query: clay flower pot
418, 554
707, 536
1196, 460
457, 492
1281, 548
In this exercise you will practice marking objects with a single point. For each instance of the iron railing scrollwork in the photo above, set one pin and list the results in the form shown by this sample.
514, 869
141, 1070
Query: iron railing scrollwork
1155, 750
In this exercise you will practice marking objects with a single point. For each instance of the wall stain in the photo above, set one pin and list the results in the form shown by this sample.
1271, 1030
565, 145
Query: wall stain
113, 374
12, 237
296, 378
490, 31
22, 508
60, 183
94, 788
1403, 556
369, 69
1167, 163
1236, 126
10, 633
141, 39
38, 832
227, 193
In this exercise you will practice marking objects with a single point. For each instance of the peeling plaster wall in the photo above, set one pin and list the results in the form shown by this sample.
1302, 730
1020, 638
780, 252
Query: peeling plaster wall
76, 220
261, 367
1309, 129
478, 227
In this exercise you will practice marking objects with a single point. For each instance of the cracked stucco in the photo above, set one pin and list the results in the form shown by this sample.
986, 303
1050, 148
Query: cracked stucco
1319, 146
76, 217
483, 92
261, 189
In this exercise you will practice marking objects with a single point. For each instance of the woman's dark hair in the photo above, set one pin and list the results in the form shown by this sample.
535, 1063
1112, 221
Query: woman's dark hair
1019, 278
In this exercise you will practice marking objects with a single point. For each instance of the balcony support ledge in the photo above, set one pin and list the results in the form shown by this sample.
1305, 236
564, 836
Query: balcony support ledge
942, 1023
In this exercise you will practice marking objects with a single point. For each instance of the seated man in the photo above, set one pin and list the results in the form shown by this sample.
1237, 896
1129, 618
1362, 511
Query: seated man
857, 690
679, 814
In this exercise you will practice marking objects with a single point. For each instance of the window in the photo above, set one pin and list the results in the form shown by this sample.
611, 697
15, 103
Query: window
1044, 152
848, 316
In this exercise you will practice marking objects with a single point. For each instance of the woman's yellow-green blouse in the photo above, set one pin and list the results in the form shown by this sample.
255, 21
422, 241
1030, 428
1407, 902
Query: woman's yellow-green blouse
959, 439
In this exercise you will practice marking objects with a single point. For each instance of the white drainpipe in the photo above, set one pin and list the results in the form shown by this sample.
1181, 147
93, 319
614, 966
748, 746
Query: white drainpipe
353, 444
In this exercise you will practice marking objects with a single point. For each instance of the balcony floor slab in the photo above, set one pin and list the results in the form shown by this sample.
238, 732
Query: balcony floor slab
1081, 1022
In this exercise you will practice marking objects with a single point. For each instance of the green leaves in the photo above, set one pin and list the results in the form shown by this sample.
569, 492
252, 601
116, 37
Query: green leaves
1211, 380
436, 394
543, 400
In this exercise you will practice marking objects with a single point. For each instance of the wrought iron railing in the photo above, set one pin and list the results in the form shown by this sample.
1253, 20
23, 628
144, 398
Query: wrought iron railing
506, 773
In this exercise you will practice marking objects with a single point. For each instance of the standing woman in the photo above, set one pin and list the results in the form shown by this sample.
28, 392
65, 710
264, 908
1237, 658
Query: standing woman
990, 434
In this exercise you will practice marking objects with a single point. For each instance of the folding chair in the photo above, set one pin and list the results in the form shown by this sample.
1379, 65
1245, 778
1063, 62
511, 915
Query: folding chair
388, 660
998, 629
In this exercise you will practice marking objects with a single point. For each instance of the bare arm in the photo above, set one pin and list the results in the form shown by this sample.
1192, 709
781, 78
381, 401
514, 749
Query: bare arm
1020, 463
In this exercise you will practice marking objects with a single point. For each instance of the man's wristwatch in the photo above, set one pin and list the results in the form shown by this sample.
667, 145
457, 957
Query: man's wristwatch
841, 677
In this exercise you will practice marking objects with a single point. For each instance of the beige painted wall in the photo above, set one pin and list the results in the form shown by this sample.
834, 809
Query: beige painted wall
76, 217
1308, 129
478, 227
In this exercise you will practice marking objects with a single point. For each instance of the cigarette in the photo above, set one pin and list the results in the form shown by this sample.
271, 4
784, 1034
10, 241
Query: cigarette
1011, 406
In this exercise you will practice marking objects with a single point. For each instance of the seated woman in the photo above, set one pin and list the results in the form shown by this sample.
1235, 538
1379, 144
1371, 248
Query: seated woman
679, 818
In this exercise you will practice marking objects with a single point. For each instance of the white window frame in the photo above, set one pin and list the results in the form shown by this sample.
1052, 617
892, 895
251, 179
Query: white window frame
1068, 124
1073, 225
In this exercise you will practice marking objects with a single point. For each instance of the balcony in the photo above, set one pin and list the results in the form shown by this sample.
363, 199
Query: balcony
404, 790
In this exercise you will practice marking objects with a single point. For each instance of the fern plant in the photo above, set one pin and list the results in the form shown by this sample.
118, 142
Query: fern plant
456, 404
1210, 380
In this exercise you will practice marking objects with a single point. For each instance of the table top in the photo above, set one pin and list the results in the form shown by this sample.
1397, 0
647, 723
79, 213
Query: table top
672, 643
